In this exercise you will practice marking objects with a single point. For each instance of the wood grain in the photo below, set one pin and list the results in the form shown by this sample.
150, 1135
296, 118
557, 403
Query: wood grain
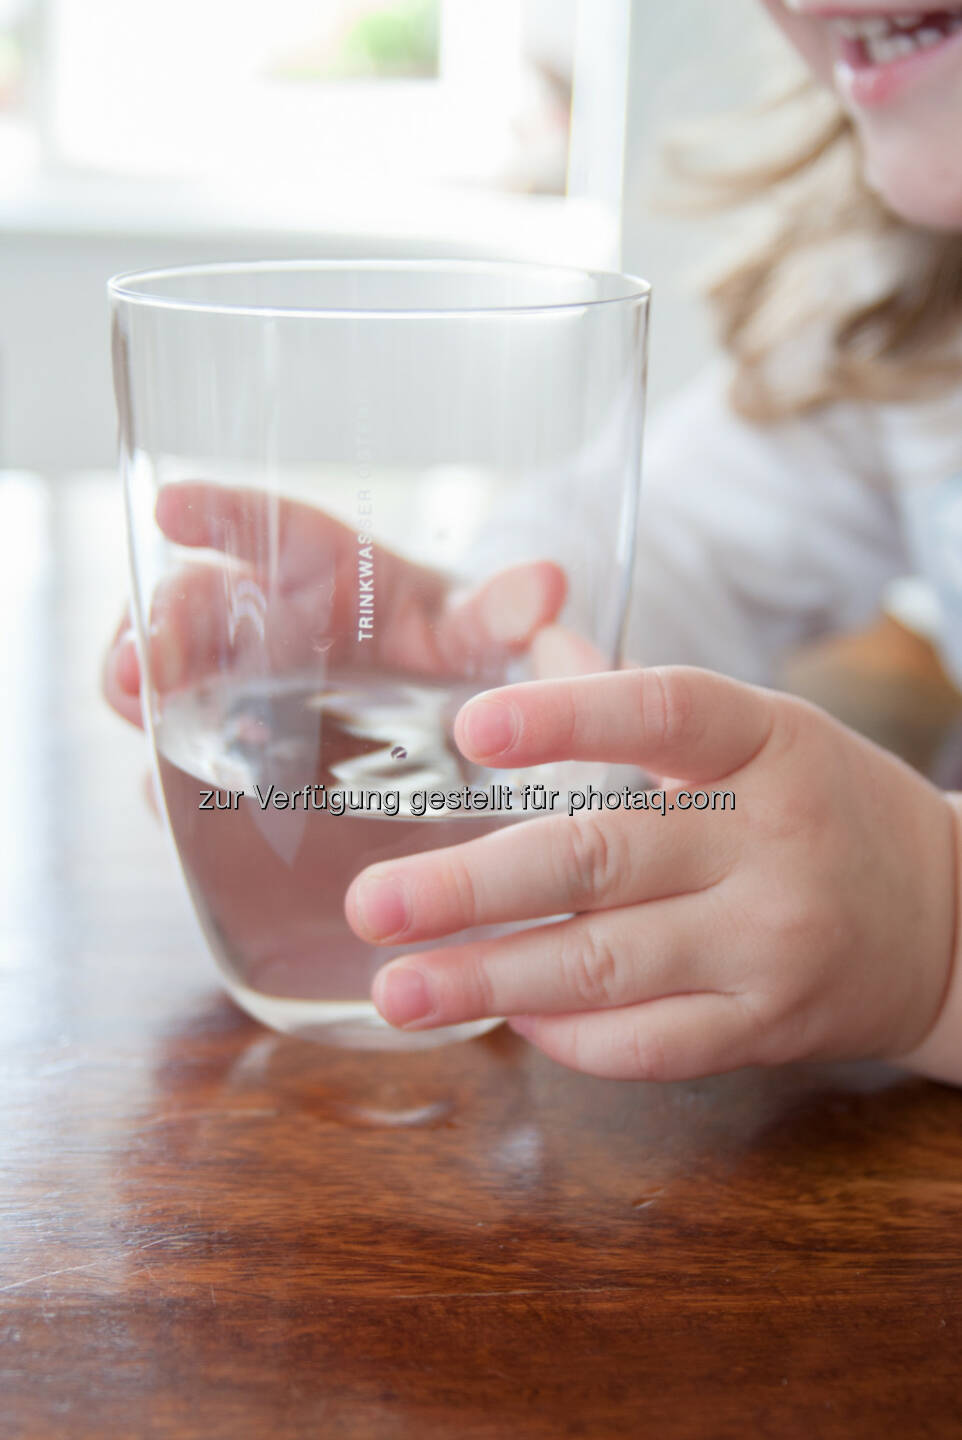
208, 1230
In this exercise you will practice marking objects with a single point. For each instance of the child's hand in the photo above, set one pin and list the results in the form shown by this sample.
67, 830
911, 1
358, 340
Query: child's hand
287, 591
816, 921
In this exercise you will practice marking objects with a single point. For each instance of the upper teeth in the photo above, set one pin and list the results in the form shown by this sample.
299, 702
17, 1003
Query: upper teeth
873, 28
876, 27
889, 37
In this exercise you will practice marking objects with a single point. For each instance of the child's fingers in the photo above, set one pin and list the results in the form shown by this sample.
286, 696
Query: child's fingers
127, 706
300, 549
121, 661
680, 1037
602, 961
123, 626
287, 548
502, 616
266, 531
675, 721
194, 622
294, 543
205, 620
126, 664
558, 652
541, 868
120, 678
151, 795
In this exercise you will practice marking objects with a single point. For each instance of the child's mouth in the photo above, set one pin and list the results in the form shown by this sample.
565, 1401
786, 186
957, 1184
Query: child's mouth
880, 56
882, 39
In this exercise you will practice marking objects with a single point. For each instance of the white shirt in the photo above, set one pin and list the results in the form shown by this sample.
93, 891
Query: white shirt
753, 538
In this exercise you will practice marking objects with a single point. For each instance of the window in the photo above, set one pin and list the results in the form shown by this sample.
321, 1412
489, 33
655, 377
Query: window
488, 126
343, 94
14, 49
18, 64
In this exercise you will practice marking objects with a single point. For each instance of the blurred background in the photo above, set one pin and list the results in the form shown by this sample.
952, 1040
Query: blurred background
142, 132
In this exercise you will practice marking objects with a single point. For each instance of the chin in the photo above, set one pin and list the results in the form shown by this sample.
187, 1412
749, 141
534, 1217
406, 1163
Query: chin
926, 195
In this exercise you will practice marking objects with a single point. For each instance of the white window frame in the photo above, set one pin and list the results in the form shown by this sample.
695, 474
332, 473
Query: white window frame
582, 227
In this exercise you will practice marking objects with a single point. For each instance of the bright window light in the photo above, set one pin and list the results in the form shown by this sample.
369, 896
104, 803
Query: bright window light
349, 94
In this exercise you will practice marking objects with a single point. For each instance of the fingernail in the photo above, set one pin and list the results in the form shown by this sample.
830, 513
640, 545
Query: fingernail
490, 726
403, 995
513, 608
380, 907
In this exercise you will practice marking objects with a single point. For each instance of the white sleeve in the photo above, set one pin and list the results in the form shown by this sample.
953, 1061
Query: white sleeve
754, 538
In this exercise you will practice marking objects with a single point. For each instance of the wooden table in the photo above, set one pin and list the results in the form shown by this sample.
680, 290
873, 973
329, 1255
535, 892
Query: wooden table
211, 1231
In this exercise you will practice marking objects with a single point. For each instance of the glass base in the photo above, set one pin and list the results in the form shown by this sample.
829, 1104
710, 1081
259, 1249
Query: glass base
350, 1024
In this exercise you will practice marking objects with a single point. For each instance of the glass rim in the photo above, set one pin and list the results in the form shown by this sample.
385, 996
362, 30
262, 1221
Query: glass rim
122, 288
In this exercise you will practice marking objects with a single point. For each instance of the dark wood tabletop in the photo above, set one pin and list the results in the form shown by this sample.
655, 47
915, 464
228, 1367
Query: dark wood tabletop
209, 1230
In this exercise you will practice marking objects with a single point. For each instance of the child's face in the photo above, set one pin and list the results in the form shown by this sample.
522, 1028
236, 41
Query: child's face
898, 71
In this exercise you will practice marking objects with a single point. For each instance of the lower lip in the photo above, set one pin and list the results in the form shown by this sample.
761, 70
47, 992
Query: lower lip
872, 86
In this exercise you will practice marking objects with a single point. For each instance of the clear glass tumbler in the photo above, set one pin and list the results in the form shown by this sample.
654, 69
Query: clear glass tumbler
357, 494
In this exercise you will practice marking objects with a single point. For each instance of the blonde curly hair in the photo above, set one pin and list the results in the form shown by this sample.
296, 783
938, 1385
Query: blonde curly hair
841, 299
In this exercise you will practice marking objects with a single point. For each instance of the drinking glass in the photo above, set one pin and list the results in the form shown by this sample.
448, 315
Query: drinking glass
357, 494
